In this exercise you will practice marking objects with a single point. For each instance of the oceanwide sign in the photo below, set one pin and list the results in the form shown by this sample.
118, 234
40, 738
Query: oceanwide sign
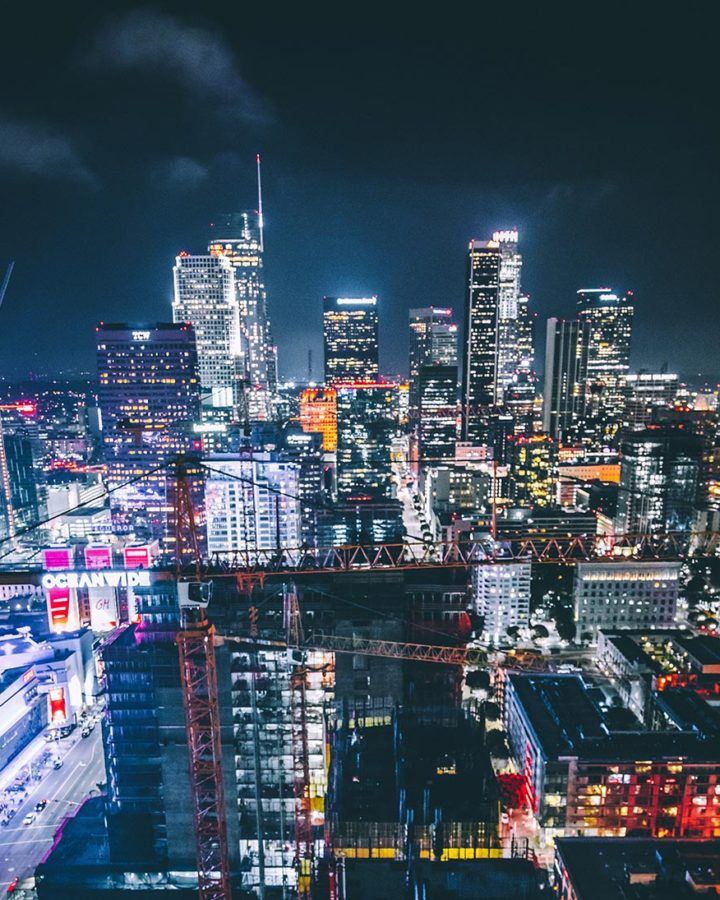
102, 579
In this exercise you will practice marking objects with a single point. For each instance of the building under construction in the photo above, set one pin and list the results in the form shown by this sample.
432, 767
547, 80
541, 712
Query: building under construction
421, 787
288, 721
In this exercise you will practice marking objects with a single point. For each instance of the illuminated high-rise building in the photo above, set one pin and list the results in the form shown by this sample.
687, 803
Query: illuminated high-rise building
533, 470
437, 412
239, 238
509, 311
525, 335
608, 318
19, 501
433, 342
480, 356
252, 502
205, 296
350, 332
659, 476
318, 415
648, 392
565, 377
366, 426
149, 396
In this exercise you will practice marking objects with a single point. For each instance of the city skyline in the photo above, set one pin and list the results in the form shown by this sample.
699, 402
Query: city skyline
603, 216
359, 493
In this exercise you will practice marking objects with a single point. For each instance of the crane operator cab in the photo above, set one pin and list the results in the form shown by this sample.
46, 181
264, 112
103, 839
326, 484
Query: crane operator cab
194, 594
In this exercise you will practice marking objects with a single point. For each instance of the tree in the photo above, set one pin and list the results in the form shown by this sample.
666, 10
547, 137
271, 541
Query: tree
540, 631
478, 679
512, 631
496, 743
492, 711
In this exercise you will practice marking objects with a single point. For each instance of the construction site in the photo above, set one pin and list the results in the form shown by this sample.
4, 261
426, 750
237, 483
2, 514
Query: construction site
283, 731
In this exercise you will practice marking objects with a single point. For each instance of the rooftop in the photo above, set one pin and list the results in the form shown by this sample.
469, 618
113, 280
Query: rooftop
566, 722
629, 868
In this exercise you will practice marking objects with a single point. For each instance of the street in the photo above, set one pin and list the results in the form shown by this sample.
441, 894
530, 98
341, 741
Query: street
405, 492
22, 847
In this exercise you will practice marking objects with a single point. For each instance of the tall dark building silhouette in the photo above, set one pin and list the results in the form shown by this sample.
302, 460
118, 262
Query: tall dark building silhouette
437, 402
480, 352
608, 317
350, 332
149, 397
565, 375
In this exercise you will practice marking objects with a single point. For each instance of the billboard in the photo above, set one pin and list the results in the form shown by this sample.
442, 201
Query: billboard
62, 609
57, 558
98, 558
137, 557
103, 609
58, 707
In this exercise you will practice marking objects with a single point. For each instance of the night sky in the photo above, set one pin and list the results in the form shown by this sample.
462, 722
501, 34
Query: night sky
386, 146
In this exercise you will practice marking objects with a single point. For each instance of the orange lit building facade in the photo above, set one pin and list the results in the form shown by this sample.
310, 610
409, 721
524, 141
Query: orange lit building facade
318, 415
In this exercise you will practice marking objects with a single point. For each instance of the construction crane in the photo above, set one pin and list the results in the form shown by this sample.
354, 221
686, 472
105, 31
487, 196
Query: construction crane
196, 645
568, 549
6, 280
198, 674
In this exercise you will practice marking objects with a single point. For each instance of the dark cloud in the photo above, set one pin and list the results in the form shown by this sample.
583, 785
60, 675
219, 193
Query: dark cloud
196, 59
35, 150
178, 173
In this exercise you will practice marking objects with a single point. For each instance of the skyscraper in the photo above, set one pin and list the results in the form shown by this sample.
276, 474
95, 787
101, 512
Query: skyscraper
659, 472
608, 318
149, 396
533, 470
509, 310
648, 392
239, 237
481, 337
18, 485
433, 342
366, 424
350, 332
252, 502
525, 335
565, 376
437, 412
205, 296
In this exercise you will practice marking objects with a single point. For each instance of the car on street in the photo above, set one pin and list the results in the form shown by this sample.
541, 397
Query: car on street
40, 805
85, 732
13, 884
29, 818
57, 764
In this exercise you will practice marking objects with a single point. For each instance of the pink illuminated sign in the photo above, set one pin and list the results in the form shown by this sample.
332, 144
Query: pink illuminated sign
137, 557
57, 558
98, 558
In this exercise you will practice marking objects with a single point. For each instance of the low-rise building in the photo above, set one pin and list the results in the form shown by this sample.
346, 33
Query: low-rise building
500, 593
582, 778
41, 683
613, 869
612, 595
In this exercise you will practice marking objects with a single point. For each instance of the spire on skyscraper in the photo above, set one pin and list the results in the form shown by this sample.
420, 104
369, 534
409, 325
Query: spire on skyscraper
260, 210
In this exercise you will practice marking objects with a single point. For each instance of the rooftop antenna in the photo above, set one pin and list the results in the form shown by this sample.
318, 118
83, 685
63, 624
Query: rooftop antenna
6, 281
260, 212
